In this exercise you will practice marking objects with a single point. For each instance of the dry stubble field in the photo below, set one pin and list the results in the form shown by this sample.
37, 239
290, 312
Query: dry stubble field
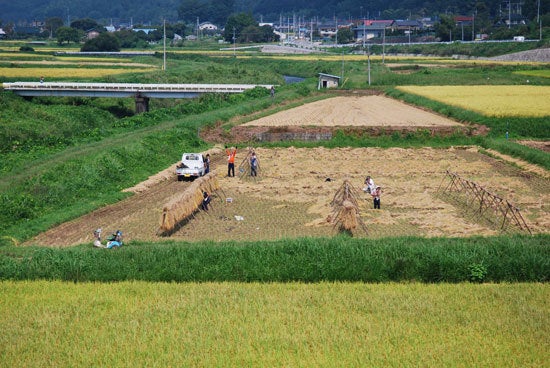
292, 195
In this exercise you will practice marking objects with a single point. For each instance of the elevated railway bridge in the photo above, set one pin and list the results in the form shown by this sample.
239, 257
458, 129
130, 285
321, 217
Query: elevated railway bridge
141, 92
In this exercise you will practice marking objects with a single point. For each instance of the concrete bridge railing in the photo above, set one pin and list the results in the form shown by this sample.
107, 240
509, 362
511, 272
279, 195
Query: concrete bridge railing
141, 92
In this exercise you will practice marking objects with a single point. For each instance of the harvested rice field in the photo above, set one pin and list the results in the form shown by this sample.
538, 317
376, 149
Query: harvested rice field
292, 194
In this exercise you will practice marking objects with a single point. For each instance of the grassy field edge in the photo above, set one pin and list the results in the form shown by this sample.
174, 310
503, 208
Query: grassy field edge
475, 259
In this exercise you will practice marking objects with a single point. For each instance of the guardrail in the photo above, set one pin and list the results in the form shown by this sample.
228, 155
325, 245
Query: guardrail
141, 92
131, 87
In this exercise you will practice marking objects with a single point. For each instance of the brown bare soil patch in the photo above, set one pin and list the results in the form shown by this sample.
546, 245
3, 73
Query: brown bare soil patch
356, 114
412, 68
541, 145
396, 66
369, 111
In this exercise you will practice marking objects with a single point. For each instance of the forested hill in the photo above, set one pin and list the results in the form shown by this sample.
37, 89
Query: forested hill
153, 11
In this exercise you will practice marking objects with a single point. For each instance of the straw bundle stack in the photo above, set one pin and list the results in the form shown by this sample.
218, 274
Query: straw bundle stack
348, 216
182, 206
345, 208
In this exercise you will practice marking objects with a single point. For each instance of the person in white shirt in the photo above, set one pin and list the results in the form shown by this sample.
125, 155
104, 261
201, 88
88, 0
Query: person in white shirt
97, 239
376, 197
369, 185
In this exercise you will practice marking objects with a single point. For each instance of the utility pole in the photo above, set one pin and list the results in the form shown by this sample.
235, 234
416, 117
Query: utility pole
342, 65
368, 63
539, 21
294, 26
164, 45
384, 46
473, 26
288, 28
234, 42
336, 25
510, 13
281, 27
363, 37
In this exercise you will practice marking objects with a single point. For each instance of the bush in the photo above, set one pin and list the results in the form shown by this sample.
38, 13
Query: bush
103, 42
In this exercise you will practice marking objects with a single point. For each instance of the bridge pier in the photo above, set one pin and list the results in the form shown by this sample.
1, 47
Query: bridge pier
142, 103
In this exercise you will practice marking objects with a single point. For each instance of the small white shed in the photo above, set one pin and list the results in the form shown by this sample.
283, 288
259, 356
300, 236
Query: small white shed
328, 81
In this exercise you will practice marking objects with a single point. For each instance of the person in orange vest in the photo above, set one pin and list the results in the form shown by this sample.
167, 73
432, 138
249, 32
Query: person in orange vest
231, 153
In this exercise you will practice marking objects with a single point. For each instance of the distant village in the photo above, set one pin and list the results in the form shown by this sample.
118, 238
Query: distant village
294, 29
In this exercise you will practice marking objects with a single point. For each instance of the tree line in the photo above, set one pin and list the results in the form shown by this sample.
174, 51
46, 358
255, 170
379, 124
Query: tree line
244, 26
218, 11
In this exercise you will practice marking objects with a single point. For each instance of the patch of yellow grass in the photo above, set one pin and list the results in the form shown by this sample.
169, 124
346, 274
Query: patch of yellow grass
495, 101
65, 72
379, 58
545, 73
92, 59
19, 55
53, 49
128, 324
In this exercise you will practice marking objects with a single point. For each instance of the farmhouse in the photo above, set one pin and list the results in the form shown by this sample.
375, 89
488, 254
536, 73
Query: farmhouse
371, 29
207, 26
408, 25
327, 30
92, 34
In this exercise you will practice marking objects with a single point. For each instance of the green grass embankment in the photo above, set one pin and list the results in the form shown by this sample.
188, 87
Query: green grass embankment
477, 259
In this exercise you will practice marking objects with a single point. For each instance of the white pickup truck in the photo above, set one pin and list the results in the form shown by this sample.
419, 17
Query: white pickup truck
191, 166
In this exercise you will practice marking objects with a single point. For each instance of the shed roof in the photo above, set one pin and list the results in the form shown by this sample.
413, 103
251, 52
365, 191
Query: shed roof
328, 75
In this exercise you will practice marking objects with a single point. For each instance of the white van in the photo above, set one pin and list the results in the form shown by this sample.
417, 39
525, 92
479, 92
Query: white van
191, 166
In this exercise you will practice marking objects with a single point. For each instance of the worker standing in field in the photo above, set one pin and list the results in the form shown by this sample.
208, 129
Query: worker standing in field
207, 164
376, 197
231, 153
253, 164
206, 199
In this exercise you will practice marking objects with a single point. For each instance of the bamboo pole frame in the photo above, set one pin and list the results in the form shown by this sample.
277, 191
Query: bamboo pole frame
484, 200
